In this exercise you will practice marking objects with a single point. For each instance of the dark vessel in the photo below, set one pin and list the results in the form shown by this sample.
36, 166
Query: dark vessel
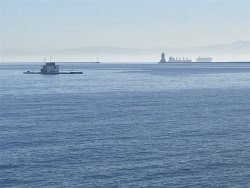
51, 68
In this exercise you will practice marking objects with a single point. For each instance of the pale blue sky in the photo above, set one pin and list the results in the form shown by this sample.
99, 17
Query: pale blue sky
52, 24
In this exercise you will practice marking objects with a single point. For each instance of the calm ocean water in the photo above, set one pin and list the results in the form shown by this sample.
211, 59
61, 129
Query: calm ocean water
126, 125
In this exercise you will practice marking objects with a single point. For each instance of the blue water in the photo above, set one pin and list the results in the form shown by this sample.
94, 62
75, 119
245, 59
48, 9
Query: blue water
126, 125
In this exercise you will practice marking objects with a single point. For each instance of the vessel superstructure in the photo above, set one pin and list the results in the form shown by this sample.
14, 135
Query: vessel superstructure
179, 60
50, 68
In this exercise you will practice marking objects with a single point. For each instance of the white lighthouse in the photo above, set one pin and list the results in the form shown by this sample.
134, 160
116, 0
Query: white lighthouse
163, 60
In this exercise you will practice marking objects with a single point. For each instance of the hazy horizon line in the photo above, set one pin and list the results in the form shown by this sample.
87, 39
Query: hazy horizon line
120, 47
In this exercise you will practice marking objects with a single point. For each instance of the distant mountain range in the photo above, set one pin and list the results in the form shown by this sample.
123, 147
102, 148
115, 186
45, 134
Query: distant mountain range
237, 47
238, 50
235, 50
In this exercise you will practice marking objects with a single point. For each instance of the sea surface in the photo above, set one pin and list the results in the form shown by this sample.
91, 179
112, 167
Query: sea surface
125, 125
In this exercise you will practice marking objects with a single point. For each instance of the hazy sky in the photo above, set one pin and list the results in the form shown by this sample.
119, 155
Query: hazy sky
64, 24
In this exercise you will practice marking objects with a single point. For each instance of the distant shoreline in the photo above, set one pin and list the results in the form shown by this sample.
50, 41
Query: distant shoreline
113, 62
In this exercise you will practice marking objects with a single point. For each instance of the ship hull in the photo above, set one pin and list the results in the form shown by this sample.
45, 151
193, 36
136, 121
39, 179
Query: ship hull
28, 72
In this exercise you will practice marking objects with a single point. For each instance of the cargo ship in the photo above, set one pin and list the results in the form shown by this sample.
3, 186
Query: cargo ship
179, 60
174, 60
204, 59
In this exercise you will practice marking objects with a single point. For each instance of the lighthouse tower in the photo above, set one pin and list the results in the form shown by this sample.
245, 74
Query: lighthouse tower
163, 60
